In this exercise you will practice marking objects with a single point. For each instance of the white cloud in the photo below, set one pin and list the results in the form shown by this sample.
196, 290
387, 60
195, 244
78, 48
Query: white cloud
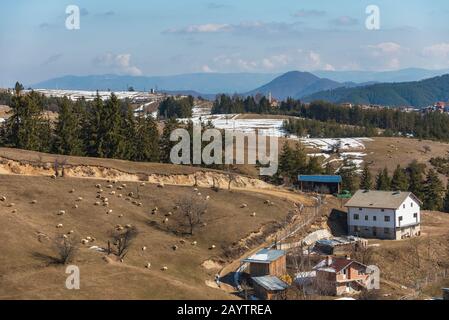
120, 63
202, 28
345, 21
440, 50
386, 48
206, 69
303, 13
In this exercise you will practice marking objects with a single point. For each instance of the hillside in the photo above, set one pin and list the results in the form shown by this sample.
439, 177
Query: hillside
28, 229
295, 84
418, 94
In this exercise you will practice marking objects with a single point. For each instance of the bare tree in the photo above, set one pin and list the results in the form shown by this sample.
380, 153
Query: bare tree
122, 241
362, 254
66, 249
191, 212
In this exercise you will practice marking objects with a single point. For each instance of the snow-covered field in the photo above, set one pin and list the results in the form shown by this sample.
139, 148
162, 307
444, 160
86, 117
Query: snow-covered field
328, 144
90, 95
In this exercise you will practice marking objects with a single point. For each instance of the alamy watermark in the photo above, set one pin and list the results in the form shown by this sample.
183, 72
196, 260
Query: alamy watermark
73, 20
237, 145
72, 282
372, 22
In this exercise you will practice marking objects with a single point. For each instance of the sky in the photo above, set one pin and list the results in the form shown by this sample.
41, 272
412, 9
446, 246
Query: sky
156, 37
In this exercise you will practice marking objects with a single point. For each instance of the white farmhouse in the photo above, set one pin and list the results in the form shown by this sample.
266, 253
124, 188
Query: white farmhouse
384, 214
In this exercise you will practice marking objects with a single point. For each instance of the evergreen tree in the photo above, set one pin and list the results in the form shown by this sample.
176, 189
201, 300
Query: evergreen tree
111, 125
349, 177
399, 181
314, 166
146, 140
446, 200
366, 180
415, 173
299, 160
383, 181
68, 130
433, 191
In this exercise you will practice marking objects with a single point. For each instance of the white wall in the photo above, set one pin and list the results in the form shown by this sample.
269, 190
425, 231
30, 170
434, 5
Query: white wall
411, 207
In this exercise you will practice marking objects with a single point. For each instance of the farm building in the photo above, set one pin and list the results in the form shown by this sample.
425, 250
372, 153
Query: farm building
384, 214
267, 262
267, 287
339, 245
320, 183
338, 276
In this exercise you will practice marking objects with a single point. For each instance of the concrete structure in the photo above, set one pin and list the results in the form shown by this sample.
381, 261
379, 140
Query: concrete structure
384, 215
320, 183
340, 245
267, 262
338, 276
267, 287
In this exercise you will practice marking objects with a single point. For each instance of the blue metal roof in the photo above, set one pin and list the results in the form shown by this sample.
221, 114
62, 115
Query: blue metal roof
320, 178
271, 283
265, 256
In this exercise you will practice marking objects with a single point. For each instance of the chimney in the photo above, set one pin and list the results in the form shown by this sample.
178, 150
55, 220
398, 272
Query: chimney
445, 293
329, 261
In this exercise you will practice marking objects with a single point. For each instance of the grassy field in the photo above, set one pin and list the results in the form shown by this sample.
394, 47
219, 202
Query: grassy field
27, 229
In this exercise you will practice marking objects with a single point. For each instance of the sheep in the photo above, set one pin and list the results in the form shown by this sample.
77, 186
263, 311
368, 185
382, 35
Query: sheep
175, 247
131, 194
164, 268
120, 188
3, 198
165, 220
112, 193
168, 214
88, 238
59, 226
53, 176
84, 241
100, 191
106, 204
65, 236
72, 191
199, 194
244, 205
120, 215
12, 204
194, 243
34, 202
109, 186
71, 232
97, 203
61, 212
98, 196
195, 189
182, 241
14, 211
127, 198
253, 214
212, 247
175, 207
144, 248
93, 239
128, 226
143, 184
79, 199
109, 212
124, 185
120, 195
207, 197
148, 265
98, 186
75, 206
139, 204
105, 200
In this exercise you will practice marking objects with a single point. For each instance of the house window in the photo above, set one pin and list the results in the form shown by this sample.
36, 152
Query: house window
382, 210
411, 204
403, 206
400, 218
387, 218
356, 216
366, 218
386, 230
415, 215
374, 218
360, 209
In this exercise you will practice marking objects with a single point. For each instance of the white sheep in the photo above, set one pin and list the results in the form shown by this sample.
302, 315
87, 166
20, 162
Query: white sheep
212, 247
120, 215
120, 188
244, 205
14, 211
120, 195
139, 204
84, 241
195, 189
207, 197
34, 202
72, 191
88, 238
161, 185
109, 186
164, 268
61, 212
144, 248
112, 193
98, 186
253, 214
182, 241
168, 214
106, 204
124, 185
97, 203
128, 226
109, 212
165, 220
175, 247
71, 232
75, 206
80, 199
12, 204
148, 265
194, 243
142, 184
3, 198
59, 226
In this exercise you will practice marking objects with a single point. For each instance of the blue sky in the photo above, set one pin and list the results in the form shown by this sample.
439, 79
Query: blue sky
178, 36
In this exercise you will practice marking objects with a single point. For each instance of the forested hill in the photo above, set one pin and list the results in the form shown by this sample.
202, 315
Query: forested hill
418, 93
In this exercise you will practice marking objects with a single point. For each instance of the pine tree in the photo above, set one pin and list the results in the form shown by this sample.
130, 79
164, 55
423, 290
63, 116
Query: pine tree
366, 180
349, 177
399, 181
383, 181
446, 200
110, 123
146, 140
68, 131
299, 160
314, 166
286, 165
433, 191
415, 173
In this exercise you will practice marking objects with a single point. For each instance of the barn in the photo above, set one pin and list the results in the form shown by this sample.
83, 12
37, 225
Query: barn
320, 183
267, 262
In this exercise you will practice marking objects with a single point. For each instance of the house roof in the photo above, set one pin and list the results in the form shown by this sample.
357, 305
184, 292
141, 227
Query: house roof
379, 199
320, 178
265, 256
336, 265
271, 283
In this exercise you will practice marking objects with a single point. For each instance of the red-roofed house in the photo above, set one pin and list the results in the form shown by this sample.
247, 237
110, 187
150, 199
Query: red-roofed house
338, 276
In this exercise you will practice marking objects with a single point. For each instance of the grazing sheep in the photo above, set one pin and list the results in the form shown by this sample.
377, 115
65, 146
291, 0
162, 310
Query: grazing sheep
84, 241
97, 203
204, 224
131, 194
127, 198
34, 202
175, 207
143, 184
75, 206
139, 204
109, 212
3, 198
168, 214
105, 200
195, 189
100, 191
79, 199
208, 198
98, 186
14, 211
175, 247
72, 191
182, 241
212, 247
124, 185
88, 238
65, 236
253, 214
61, 212
12, 204
98, 196
59, 226
148, 266
71, 232
144, 248
194, 243
120, 215
106, 204
165, 220
109, 186
244, 205
53, 176
120, 188
112, 193
128, 226
164, 268
120, 195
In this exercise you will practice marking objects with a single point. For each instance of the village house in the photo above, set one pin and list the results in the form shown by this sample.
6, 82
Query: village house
338, 276
390, 215
267, 262
268, 287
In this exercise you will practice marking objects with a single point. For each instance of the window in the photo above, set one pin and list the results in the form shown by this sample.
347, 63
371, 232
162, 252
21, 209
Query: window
386, 230
382, 210
400, 218
366, 218
411, 204
374, 218
360, 209
387, 218
415, 215
356, 216
403, 206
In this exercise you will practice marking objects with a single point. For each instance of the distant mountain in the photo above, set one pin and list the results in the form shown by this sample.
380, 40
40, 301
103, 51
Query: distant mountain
203, 83
295, 84
403, 75
418, 93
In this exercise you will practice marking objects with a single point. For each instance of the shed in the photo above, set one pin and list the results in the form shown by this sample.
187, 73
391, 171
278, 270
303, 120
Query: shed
267, 262
320, 183
267, 287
